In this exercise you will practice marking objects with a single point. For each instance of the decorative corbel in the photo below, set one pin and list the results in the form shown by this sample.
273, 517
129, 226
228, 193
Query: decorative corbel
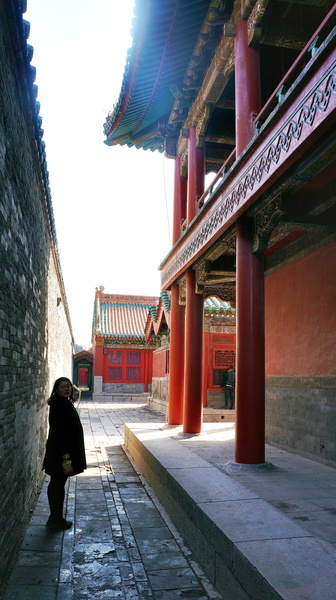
202, 269
247, 7
184, 164
202, 125
265, 222
182, 291
224, 291
255, 21
226, 245
170, 147
229, 30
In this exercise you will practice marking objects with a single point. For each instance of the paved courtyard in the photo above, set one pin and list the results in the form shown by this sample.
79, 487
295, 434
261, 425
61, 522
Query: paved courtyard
122, 544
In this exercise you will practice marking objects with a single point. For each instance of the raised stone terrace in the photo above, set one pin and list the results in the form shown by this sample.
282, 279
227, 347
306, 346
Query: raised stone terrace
248, 534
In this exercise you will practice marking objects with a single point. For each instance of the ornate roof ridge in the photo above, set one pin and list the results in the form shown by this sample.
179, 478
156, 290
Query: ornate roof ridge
213, 304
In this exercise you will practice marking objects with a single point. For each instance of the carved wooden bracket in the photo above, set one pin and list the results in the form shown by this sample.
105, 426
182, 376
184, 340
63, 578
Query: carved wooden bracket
202, 269
265, 221
202, 126
255, 21
226, 245
184, 164
182, 291
225, 292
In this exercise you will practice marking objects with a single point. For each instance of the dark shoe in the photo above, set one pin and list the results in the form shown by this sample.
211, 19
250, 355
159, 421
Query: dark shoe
59, 525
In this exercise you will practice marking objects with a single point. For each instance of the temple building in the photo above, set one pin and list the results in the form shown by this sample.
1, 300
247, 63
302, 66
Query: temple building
246, 90
122, 357
219, 353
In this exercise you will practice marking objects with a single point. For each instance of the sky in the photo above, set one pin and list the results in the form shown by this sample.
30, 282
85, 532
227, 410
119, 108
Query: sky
112, 205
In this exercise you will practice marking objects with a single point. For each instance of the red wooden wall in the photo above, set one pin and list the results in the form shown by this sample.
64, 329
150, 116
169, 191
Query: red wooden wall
300, 316
160, 363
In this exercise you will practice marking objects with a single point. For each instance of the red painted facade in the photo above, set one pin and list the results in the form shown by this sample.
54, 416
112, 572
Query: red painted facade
219, 348
122, 357
220, 354
161, 363
301, 318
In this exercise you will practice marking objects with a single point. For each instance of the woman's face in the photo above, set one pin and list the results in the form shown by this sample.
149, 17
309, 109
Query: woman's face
64, 389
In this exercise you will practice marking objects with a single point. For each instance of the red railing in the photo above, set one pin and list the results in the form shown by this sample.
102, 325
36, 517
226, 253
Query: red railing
229, 161
301, 61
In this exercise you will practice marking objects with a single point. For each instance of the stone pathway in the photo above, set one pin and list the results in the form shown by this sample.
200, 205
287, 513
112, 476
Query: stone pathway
122, 544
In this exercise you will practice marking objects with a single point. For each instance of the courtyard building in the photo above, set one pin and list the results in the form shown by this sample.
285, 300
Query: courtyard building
245, 90
122, 356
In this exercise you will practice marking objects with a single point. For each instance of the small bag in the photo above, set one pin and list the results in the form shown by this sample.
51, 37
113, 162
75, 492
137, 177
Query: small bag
67, 466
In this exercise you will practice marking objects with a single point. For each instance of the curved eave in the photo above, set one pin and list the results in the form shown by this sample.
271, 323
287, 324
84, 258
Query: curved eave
164, 37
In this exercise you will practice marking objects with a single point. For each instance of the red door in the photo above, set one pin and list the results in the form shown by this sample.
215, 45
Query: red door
83, 377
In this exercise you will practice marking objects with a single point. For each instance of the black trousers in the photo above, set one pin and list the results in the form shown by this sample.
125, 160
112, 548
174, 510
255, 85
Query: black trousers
56, 494
229, 397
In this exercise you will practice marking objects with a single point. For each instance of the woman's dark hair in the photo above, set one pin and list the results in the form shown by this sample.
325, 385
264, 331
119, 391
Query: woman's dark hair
56, 384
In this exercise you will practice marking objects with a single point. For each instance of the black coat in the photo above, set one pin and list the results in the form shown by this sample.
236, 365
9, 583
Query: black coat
65, 437
228, 378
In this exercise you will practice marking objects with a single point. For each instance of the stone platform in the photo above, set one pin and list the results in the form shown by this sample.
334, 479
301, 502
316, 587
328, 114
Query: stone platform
260, 535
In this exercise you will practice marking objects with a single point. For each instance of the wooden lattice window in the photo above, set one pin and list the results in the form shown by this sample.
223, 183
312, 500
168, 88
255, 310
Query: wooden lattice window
133, 358
133, 373
224, 358
114, 373
114, 357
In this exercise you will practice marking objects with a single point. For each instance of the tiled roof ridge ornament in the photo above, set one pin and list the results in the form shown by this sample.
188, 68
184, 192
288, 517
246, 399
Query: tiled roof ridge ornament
100, 290
212, 304
153, 311
165, 300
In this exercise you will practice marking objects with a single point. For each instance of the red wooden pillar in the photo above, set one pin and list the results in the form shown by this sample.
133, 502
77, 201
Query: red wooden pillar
180, 200
99, 357
146, 367
176, 358
205, 368
196, 170
150, 366
250, 358
192, 407
247, 86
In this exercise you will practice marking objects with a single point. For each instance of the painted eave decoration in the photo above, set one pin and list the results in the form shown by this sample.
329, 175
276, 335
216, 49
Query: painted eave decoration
164, 36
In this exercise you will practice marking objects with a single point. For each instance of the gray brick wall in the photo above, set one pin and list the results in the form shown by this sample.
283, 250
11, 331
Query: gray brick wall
59, 334
25, 260
301, 416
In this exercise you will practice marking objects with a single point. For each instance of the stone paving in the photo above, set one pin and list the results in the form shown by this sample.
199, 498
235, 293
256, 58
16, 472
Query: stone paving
122, 544
303, 489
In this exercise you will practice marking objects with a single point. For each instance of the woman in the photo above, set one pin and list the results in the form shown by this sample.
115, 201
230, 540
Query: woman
65, 441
